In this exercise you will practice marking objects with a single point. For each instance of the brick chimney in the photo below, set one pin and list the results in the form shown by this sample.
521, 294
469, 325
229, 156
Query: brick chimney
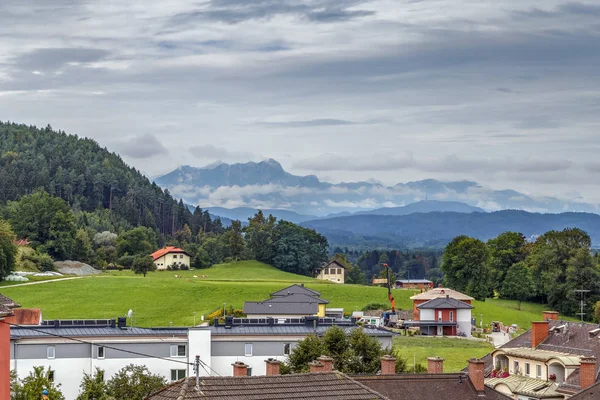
550, 315
327, 363
539, 332
240, 369
273, 367
388, 365
477, 373
316, 366
435, 365
587, 372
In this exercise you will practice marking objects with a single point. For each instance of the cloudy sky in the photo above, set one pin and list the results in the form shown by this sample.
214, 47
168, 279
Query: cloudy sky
506, 93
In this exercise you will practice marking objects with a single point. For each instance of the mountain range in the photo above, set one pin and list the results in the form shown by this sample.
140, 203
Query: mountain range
266, 185
436, 229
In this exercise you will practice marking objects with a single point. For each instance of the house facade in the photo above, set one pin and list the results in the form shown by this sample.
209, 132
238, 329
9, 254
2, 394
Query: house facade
333, 272
444, 317
413, 284
99, 344
437, 293
170, 255
554, 360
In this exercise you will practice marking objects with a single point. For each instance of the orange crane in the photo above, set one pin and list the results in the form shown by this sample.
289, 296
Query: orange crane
389, 287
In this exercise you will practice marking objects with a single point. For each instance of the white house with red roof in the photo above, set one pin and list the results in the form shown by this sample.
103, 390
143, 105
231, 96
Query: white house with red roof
170, 255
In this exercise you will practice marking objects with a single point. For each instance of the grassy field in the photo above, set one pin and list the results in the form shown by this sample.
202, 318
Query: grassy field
455, 352
160, 299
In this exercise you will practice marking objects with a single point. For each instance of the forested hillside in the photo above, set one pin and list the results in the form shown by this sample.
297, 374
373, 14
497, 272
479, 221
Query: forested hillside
73, 200
86, 176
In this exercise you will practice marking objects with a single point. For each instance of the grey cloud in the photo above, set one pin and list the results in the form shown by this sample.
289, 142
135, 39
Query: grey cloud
309, 123
144, 146
53, 58
210, 152
581, 8
452, 163
236, 11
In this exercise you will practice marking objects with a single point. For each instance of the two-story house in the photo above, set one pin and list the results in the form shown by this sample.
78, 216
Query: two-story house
169, 256
333, 272
291, 302
442, 311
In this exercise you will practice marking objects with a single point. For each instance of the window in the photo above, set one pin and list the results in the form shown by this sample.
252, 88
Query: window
248, 349
287, 348
50, 352
249, 371
181, 256
175, 256
515, 367
339, 271
439, 315
326, 272
51, 376
100, 352
177, 374
527, 369
538, 371
451, 316
178, 350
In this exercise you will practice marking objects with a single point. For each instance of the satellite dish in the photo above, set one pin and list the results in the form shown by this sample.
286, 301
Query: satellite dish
129, 314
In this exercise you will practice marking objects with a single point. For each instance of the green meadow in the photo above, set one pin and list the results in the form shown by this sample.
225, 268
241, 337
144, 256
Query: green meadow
161, 299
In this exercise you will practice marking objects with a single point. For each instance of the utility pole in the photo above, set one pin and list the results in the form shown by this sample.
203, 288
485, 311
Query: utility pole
197, 371
582, 292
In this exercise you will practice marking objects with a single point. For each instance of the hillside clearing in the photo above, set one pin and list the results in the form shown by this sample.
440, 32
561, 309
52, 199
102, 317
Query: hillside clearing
161, 299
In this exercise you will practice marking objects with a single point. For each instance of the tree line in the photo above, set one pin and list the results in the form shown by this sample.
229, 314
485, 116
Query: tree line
405, 264
58, 232
548, 270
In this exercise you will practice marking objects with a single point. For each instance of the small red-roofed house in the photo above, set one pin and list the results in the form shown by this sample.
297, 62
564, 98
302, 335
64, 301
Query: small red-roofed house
170, 255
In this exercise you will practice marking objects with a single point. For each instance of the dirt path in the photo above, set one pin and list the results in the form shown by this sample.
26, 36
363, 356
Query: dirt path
40, 282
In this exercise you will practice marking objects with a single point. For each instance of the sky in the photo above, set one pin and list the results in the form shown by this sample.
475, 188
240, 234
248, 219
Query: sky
505, 93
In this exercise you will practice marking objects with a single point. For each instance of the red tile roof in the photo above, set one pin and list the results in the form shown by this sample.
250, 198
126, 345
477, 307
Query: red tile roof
169, 249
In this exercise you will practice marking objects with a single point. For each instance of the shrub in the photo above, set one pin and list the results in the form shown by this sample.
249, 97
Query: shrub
375, 306
126, 260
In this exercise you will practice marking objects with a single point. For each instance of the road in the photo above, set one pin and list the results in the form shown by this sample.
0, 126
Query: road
40, 282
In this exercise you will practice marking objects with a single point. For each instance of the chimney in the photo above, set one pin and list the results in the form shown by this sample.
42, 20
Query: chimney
273, 367
587, 372
327, 363
477, 373
539, 332
316, 366
388, 365
435, 365
4, 358
240, 369
550, 315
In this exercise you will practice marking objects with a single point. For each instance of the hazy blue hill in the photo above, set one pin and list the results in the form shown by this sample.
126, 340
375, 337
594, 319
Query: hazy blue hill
243, 213
424, 206
438, 228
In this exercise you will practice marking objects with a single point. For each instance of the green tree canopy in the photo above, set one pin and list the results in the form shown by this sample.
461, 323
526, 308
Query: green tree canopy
32, 386
465, 265
137, 241
46, 222
506, 249
518, 284
143, 265
134, 382
8, 251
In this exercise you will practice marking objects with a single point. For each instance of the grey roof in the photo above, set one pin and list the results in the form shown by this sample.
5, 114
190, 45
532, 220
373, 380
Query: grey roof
289, 330
444, 302
35, 332
314, 386
6, 305
296, 298
263, 308
296, 289
591, 393
413, 281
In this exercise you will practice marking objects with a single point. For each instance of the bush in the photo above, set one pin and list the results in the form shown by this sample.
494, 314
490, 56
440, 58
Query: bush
375, 306
126, 260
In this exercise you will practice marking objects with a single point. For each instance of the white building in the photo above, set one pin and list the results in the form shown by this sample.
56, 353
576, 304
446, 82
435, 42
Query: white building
170, 256
72, 348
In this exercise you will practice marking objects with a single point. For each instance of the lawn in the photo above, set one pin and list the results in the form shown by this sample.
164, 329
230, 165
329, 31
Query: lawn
160, 299
455, 352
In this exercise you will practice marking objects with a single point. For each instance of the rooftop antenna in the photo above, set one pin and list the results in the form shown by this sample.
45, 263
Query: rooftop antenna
582, 292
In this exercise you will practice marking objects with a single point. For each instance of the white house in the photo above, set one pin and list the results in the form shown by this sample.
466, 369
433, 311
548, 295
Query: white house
170, 255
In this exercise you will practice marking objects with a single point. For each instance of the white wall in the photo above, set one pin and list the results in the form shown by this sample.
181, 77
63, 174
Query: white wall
222, 365
463, 318
199, 344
